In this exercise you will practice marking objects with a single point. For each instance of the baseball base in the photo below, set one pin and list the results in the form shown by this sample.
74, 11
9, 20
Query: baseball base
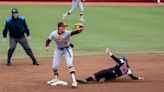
59, 82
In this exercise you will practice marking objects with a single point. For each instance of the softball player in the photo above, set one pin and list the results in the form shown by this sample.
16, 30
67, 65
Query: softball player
76, 4
63, 48
122, 68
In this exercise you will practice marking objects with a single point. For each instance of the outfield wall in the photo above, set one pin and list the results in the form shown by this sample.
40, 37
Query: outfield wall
92, 0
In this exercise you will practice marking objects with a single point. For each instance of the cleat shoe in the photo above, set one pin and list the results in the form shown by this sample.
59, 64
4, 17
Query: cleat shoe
35, 63
52, 81
8, 64
74, 84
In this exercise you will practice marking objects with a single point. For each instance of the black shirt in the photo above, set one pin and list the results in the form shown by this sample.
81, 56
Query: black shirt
17, 27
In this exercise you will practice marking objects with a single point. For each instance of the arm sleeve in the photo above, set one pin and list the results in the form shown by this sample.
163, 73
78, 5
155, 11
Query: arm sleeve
5, 30
131, 75
26, 28
115, 59
76, 31
51, 36
47, 43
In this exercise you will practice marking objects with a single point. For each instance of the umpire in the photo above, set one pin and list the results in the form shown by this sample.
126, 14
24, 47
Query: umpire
16, 25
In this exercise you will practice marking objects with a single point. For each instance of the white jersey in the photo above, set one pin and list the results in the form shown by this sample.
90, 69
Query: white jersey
62, 40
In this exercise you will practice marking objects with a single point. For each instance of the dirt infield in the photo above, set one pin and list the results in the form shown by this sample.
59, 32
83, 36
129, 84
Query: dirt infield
24, 77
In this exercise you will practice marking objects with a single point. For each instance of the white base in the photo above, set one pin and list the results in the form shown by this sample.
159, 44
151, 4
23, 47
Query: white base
59, 82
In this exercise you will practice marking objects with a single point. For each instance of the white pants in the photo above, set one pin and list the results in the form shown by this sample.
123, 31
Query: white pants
75, 5
58, 54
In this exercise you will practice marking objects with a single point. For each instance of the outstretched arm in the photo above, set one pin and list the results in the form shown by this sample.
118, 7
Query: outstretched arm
76, 31
108, 51
133, 77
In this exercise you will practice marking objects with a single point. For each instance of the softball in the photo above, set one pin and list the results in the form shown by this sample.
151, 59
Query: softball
77, 27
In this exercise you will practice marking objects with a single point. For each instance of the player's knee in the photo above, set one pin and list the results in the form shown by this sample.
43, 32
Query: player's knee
27, 49
11, 49
72, 69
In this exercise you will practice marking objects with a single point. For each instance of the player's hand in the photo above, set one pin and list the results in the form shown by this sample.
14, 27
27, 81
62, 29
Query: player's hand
108, 51
141, 78
80, 29
47, 48
4, 39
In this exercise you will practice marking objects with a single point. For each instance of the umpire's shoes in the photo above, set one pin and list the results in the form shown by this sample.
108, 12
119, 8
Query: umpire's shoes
35, 63
83, 81
8, 64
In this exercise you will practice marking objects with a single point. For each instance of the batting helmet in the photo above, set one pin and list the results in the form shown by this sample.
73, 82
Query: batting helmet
124, 58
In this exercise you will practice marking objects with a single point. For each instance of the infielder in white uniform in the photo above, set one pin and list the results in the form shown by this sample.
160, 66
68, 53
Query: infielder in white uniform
76, 4
63, 48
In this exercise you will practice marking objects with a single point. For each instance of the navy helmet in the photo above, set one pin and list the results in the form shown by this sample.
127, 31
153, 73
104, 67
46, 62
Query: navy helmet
14, 10
124, 58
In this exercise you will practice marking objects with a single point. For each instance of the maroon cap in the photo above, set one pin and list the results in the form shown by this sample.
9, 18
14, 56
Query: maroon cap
62, 24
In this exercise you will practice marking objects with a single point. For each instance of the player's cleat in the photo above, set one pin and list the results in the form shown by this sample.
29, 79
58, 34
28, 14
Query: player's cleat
74, 84
82, 20
52, 81
82, 81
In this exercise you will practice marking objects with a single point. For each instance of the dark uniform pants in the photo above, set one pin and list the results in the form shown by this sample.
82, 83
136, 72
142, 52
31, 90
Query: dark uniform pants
23, 42
106, 73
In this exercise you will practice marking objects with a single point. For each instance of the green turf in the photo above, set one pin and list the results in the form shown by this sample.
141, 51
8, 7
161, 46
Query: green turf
125, 29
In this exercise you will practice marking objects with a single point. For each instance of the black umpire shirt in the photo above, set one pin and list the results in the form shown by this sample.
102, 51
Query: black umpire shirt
17, 27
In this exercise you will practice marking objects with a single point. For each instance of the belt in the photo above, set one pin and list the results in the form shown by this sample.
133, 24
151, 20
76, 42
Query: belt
64, 48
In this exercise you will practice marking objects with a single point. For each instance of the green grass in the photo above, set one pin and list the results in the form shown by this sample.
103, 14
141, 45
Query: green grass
125, 29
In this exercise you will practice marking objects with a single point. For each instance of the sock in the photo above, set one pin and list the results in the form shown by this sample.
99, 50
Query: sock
66, 14
56, 77
81, 16
73, 76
